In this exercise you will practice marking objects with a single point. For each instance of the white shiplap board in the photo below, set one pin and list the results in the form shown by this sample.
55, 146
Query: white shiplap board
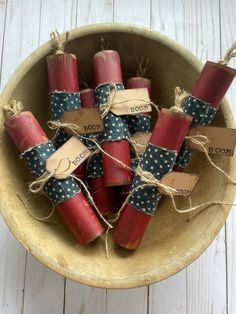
19, 41
206, 28
228, 35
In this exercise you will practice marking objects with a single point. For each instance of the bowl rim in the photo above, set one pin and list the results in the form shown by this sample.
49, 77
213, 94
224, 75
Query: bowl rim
199, 248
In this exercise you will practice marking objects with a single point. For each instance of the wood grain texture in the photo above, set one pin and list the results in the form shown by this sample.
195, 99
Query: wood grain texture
21, 34
228, 31
206, 280
169, 296
132, 301
60, 16
44, 289
12, 273
3, 12
82, 299
92, 11
132, 12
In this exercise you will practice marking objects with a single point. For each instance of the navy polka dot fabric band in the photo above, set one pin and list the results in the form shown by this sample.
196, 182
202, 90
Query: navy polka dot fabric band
203, 114
57, 190
63, 101
115, 128
60, 138
139, 123
158, 161
94, 168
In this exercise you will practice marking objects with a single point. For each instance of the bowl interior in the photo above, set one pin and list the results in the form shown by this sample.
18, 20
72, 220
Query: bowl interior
172, 240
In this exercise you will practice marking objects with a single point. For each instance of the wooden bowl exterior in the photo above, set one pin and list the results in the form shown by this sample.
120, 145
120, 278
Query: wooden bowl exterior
172, 240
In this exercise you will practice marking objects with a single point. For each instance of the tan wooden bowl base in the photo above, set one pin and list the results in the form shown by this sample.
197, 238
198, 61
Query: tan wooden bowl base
172, 240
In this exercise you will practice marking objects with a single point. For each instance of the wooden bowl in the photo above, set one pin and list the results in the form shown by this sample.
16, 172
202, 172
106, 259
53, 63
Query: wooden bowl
172, 240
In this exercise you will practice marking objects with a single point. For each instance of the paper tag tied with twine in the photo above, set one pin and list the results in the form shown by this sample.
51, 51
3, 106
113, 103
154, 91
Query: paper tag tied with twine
182, 183
67, 158
221, 141
88, 120
141, 141
130, 101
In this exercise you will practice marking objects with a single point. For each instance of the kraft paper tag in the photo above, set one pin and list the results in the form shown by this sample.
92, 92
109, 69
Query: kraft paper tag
141, 141
221, 140
130, 101
67, 158
184, 183
88, 120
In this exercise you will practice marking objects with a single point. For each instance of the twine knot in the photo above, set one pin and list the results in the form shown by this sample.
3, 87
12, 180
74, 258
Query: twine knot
14, 108
150, 180
58, 41
56, 125
38, 185
105, 45
180, 95
231, 53
144, 64
106, 107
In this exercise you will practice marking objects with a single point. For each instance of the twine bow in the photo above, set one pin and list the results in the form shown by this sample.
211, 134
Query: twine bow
38, 185
58, 42
231, 53
56, 125
106, 107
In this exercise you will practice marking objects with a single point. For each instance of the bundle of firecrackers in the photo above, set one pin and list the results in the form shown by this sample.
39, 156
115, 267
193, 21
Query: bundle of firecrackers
96, 165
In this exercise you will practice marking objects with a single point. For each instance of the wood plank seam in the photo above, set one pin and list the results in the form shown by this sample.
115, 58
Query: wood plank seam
3, 39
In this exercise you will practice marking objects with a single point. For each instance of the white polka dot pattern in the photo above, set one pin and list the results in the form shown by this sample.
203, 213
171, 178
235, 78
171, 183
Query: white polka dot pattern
139, 123
157, 161
94, 168
203, 114
60, 138
63, 101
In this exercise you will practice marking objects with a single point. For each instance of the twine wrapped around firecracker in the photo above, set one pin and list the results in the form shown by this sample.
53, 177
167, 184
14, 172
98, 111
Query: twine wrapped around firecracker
35, 149
106, 107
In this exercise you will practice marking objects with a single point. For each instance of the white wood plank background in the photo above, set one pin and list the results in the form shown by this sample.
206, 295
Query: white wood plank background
205, 27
